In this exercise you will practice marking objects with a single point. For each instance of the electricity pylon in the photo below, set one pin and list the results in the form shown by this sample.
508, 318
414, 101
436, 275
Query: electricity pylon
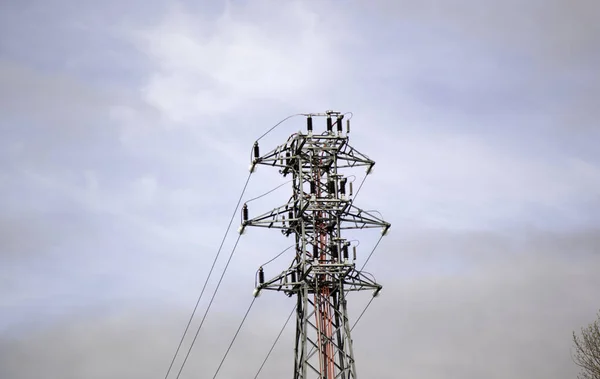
322, 272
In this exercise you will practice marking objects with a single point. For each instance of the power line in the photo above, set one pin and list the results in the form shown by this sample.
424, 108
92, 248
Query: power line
244, 319
209, 305
276, 125
362, 313
278, 255
371, 254
275, 342
234, 337
215, 261
207, 278
359, 187
266, 193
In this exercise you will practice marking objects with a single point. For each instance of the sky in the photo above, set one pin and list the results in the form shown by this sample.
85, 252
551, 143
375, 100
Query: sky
126, 131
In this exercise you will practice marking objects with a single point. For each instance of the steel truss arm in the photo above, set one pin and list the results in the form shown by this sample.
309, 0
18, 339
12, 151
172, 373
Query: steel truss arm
345, 275
286, 217
304, 146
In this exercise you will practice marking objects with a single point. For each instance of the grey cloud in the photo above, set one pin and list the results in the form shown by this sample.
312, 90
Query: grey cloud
503, 64
456, 303
563, 31
506, 313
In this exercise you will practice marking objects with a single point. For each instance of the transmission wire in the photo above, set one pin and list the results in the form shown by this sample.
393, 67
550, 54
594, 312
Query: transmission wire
207, 278
234, 337
209, 305
276, 125
373, 297
212, 267
266, 193
359, 187
372, 251
362, 313
277, 256
275, 342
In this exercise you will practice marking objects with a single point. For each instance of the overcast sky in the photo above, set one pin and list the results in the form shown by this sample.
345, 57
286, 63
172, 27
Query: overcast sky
126, 128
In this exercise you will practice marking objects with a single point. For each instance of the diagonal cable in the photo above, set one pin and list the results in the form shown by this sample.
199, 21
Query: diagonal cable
215, 260
362, 313
209, 305
371, 254
207, 278
234, 337
275, 343
359, 187
276, 125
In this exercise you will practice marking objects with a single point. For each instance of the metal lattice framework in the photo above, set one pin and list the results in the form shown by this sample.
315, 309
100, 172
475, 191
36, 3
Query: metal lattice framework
322, 272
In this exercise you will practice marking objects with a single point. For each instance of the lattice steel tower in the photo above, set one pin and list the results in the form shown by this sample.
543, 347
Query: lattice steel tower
323, 270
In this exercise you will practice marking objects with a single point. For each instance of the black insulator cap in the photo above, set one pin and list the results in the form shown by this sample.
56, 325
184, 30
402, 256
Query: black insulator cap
293, 276
338, 123
334, 251
331, 186
343, 186
329, 124
345, 251
354, 252
315, 252
245, 212
287, 158
261, 276
290, 214
256, 150
309, 124
313, 187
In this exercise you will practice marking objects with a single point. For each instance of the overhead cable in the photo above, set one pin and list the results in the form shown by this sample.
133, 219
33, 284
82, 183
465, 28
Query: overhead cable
275, 342
207, 278
276, 125
209, 305
213, 266
371, 254
234, 337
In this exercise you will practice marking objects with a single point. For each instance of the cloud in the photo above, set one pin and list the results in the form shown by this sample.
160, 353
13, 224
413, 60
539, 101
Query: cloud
453, 179
121, 163
490, 64
509, 310
267, 52
556, 29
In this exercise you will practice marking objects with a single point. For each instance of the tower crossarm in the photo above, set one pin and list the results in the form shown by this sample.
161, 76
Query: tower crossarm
340, 276
327, 149
330, 213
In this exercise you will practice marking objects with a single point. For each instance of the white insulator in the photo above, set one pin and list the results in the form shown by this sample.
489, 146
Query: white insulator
385, 231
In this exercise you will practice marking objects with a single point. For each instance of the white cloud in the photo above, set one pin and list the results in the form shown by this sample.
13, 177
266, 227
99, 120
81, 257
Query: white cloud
511, 311
459, 180
203, 67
